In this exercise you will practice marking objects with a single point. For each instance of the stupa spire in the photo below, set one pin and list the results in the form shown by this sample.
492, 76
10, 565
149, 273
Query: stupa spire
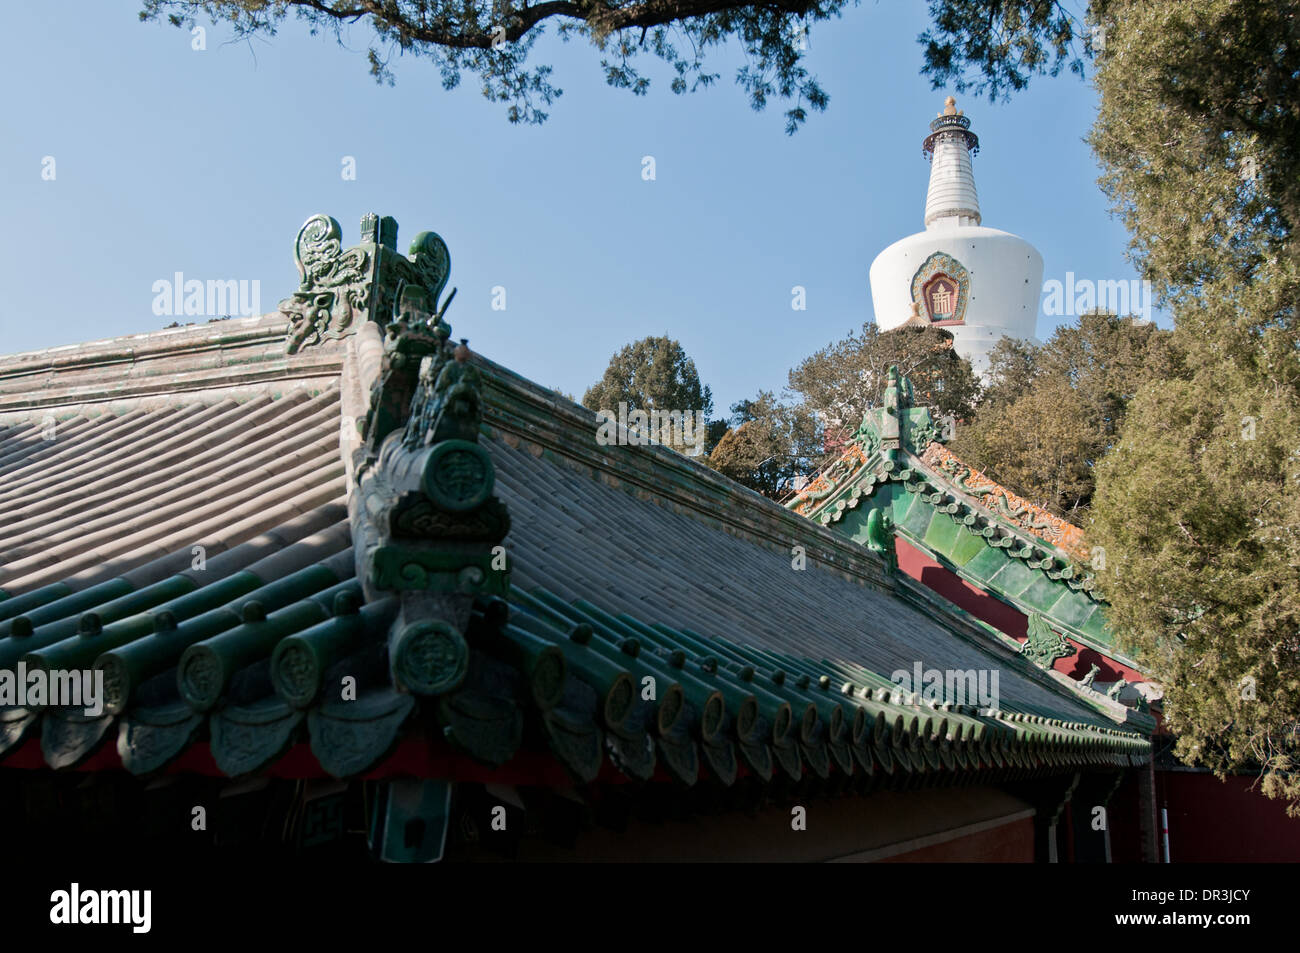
979, 283
951, 198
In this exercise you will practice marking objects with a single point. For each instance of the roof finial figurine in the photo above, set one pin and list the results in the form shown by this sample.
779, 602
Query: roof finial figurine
915, 319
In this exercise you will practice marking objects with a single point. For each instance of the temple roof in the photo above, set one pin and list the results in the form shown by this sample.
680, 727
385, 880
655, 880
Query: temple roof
299, 544
978, 529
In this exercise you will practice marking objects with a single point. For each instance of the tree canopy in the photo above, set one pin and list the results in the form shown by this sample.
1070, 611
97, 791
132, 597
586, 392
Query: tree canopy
767, 445
1002, 42
1198, 505
1049, 414
655, 374
842, 381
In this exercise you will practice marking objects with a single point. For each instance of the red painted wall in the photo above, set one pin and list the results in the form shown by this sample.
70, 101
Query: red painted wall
1009, 844
1210, 821
1213, 820
959, 592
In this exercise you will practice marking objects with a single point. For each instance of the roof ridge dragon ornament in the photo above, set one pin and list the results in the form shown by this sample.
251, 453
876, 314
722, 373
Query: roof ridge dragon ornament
338, 288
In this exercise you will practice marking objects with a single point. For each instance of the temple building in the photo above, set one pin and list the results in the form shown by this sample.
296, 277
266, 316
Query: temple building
978, 283
1029, 578
349, 588
1024, 575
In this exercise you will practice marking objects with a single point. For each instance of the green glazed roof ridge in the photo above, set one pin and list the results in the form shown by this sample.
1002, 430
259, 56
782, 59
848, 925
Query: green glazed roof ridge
841, 500
900, 473
1107, 649
213, 383
269, 326
823, 499
1027, 538
828, 505
222, 355
831, 507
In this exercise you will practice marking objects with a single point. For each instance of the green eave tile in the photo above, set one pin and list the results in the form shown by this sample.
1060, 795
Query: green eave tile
985, 563
1042, 593
942, 533
1096, 627
1014, 577
966, 547
901, 502
1073, 608
854, 524
917, 521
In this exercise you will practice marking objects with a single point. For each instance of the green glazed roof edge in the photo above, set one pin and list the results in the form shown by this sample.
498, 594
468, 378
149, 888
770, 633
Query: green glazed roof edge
854, 479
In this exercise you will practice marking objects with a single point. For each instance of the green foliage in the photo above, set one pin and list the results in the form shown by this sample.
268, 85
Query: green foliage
1036, 445
1198, 506
653, 373
767, 445
843, 380
1003, 42
1202, 528
1199, 136
493, 41
1049, 414
1013, 368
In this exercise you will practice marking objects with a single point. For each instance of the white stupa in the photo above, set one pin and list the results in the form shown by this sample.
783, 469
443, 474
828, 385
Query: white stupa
978, 283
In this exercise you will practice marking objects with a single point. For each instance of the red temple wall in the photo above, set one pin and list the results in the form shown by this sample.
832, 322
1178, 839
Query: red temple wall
1213, 820
1009, 844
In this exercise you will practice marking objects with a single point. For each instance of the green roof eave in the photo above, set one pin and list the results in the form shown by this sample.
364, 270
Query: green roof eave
981, 634
865, 481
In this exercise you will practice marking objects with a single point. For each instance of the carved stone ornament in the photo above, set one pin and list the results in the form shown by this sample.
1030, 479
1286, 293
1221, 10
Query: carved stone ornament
427, 482
1044, 646
429, 657
459, 475
340, 288
880, 538
897, 423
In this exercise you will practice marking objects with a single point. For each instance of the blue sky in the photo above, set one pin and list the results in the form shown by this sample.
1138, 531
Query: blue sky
207, 162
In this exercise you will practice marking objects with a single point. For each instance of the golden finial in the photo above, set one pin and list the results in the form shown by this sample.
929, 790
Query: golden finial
950, 107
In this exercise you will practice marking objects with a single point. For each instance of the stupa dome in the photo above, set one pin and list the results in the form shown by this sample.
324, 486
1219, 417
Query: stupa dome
979, 283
